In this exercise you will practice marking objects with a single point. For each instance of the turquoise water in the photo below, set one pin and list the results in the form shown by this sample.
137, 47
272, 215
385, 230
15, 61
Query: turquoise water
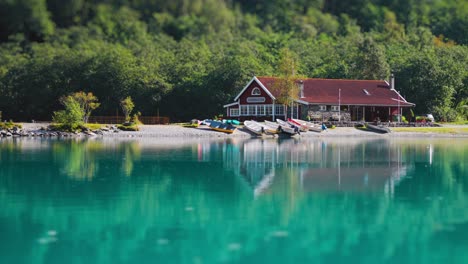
234, 201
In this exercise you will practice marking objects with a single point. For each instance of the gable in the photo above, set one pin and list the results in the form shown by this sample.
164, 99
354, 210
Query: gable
254, 83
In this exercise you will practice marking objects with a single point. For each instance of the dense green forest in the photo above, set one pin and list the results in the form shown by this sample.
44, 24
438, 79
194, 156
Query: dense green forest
186, 58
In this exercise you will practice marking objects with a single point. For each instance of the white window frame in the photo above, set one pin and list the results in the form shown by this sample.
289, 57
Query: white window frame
322, 108
279, 109
254, 91
335, 108
269, 110
261, 110
252, 110
244, 110
234, 112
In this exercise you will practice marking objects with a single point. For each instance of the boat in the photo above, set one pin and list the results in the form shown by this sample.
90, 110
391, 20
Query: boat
378, 128
231, 121
222, 127
272, 127
310, 126
270, 130
254, 127
285, 124
287, 129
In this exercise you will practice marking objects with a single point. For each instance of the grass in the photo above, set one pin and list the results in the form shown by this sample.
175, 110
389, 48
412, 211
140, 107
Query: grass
9, 125
93, 126
439, 130
67, 128
465, 122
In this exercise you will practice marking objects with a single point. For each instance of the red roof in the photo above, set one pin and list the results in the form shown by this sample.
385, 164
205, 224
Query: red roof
353, 92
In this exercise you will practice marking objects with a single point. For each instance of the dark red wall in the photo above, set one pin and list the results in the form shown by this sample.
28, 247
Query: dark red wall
248, 93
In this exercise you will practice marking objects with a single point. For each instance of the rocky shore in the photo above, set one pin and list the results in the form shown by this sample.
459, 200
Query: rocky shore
43, 131
176, 131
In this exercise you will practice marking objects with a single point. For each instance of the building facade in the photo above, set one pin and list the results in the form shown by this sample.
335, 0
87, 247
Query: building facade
321, 100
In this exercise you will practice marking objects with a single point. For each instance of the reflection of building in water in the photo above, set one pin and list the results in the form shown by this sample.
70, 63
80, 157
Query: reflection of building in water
321, 165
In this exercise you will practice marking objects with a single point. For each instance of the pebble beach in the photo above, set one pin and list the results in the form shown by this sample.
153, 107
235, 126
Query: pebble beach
177, 131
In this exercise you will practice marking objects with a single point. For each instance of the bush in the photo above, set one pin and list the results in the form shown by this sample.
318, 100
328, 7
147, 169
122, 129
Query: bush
128, 127
9, 125
70, 119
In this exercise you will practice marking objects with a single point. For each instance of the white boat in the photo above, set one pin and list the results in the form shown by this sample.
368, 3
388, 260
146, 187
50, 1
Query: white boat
301, 127
254, 127
285, 127
272, 126
310, 126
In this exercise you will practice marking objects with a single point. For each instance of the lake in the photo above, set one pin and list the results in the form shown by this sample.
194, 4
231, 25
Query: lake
329, 200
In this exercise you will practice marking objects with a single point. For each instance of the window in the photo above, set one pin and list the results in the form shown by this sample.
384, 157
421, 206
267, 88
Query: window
268, 110
279, 110
243, 110
234, 112
252, 110
256, 91
335, 108
260, 110
322, 108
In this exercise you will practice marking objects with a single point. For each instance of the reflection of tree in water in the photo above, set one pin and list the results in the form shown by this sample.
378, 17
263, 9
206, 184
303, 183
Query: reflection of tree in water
6, 148
132, 153
79, 158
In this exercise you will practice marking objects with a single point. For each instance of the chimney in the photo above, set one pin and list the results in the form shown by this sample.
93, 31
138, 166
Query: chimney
301, 87
392, 81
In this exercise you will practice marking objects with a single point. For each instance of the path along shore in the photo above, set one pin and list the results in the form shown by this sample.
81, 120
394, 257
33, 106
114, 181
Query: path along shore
176, 131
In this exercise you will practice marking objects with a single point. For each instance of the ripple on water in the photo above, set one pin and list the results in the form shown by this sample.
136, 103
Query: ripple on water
234, 246
163, 241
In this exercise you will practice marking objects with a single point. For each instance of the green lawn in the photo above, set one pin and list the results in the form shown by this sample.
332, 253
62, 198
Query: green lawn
441, 130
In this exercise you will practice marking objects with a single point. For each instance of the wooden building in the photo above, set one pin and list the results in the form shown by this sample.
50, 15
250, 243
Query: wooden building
321, 100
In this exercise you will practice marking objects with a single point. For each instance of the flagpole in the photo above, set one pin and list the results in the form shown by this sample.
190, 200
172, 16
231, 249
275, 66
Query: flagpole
339, 105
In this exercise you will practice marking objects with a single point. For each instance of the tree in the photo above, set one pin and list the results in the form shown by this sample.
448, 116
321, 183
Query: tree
88, 102
127, 107
370, 62
72, 117
285, 87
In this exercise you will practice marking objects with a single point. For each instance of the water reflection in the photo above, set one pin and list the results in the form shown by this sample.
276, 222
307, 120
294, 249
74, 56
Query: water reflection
320, 200
319, 165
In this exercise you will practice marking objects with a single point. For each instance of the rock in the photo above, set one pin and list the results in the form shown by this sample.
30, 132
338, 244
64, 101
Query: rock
89, 133
8, 134
105, 129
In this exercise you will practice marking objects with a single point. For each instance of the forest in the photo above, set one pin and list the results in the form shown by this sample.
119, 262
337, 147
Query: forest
187, 58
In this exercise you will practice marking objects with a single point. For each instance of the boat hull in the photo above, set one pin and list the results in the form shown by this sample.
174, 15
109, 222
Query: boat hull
378, 129
253, 127
222, 127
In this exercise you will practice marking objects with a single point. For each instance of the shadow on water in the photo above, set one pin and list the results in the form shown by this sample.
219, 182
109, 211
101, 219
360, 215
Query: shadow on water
230, 200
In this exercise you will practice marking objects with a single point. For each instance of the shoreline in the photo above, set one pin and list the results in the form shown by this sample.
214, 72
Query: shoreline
177, 131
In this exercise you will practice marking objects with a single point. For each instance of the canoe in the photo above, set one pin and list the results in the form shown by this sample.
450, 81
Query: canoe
222, 127
253, 127
378, 128
310, 126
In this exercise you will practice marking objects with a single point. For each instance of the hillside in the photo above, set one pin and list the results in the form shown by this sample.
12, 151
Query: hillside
185, 59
